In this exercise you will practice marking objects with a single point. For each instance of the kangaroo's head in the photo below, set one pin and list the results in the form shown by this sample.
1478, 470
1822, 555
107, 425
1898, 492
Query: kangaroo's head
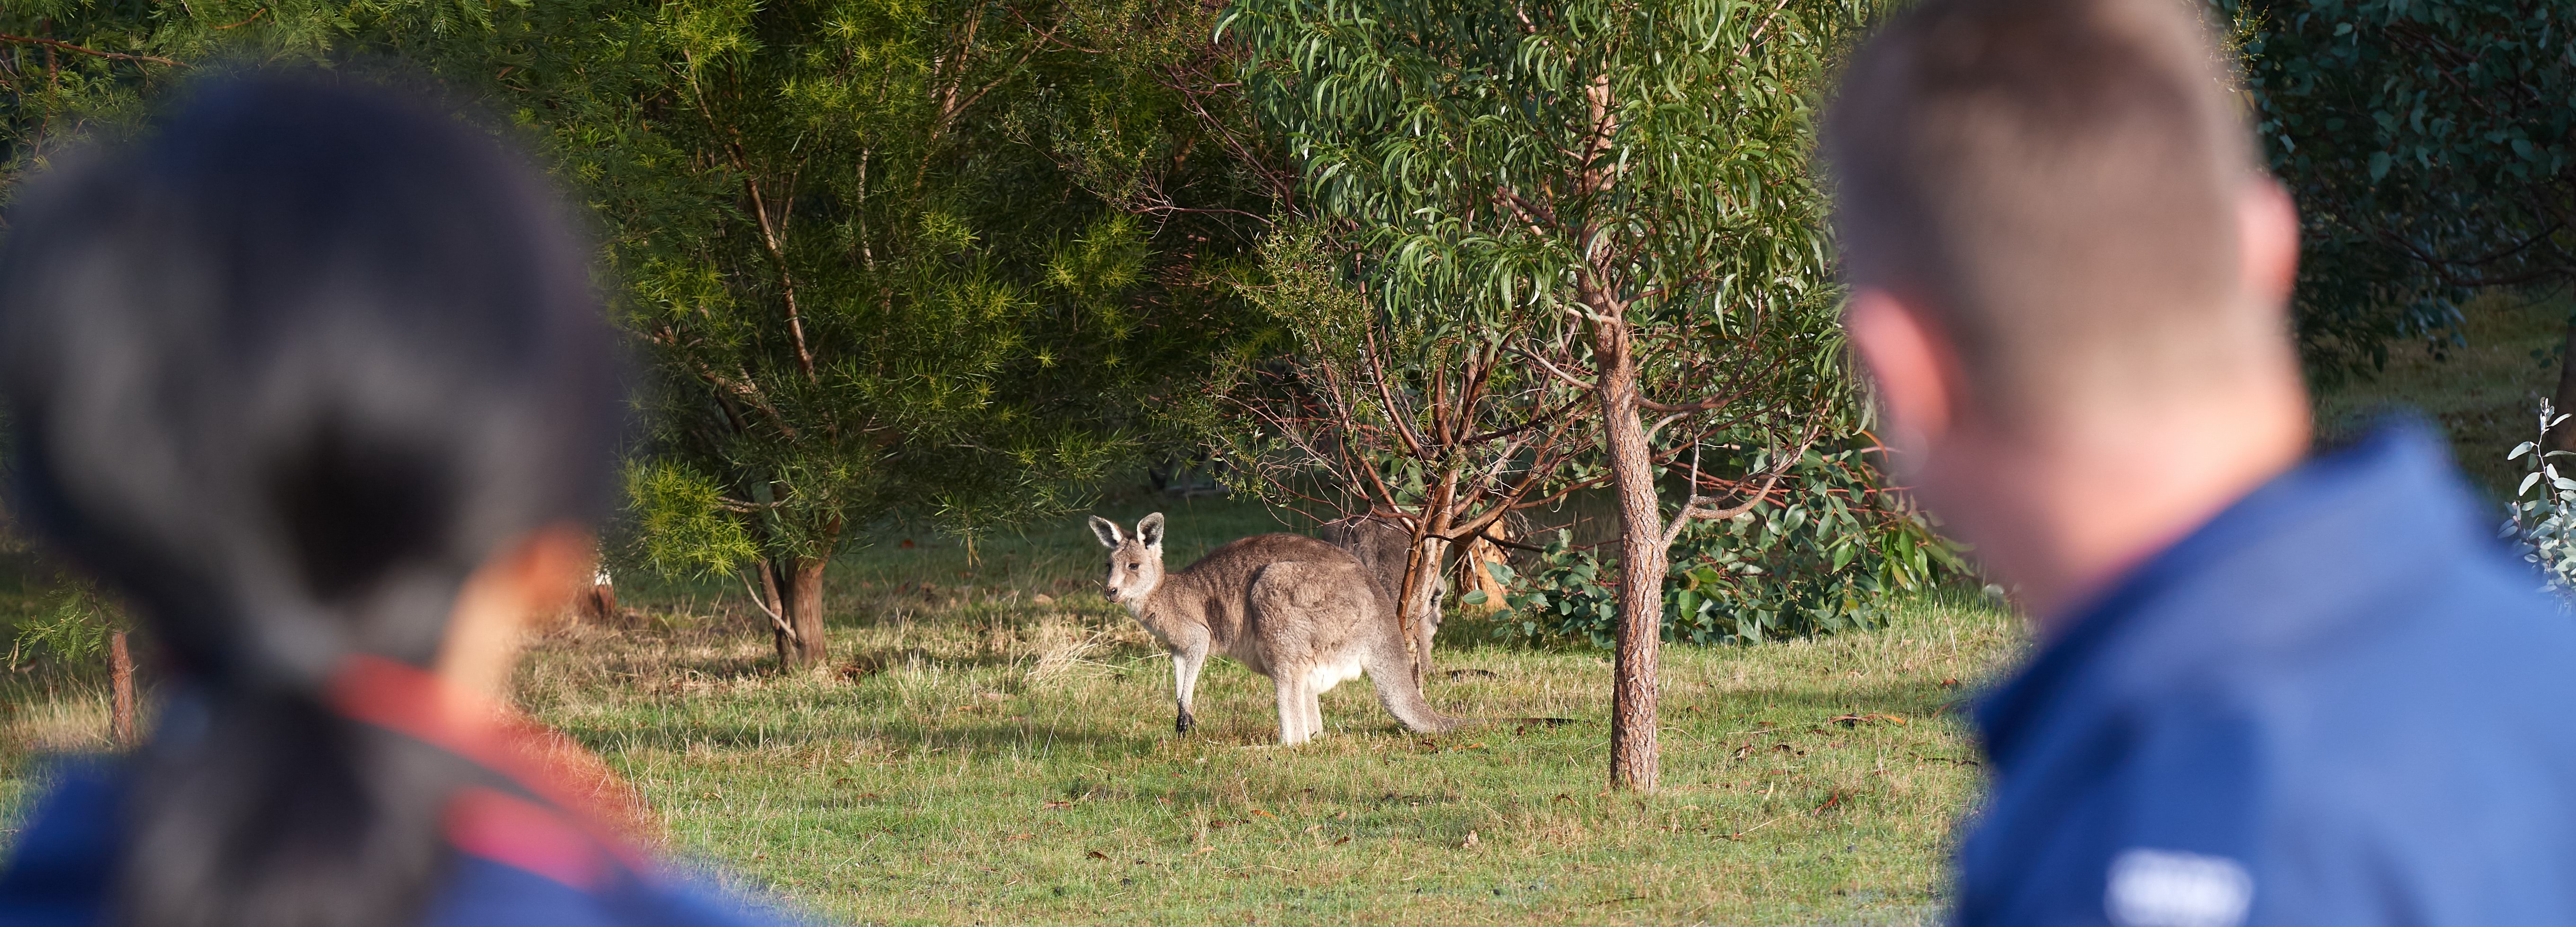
1135, 560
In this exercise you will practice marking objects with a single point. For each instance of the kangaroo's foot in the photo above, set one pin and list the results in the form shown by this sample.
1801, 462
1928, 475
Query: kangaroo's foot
1181, 725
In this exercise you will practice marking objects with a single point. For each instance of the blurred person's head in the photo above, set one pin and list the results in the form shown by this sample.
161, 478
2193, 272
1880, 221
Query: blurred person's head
2069, 278
307, 372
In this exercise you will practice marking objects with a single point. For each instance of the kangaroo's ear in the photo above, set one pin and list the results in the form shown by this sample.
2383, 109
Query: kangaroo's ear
1150, 530
1107, 530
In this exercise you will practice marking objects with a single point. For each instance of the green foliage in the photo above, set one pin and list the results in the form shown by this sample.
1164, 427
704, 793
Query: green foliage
2431, 145
887, 259
685, 527
74, 630
2541, 519
1577, 233
1489, 157
1823, 560
895, 260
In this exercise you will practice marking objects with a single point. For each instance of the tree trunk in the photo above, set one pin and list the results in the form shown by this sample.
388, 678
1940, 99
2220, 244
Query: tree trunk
1634, 756
120, 681
1418, 597
1479, 556
795, 586
2563, 438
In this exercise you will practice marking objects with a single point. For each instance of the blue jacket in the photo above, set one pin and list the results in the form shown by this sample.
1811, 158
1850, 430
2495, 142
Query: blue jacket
60, 873
2340, 701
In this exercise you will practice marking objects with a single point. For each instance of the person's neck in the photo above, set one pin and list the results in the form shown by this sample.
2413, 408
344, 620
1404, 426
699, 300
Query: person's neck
2062, 520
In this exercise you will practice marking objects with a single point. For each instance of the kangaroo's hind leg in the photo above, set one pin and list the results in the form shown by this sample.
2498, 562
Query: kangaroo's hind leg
1313, 705
1293, 699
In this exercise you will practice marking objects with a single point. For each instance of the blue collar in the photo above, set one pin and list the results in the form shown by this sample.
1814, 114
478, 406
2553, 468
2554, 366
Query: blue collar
2398, 484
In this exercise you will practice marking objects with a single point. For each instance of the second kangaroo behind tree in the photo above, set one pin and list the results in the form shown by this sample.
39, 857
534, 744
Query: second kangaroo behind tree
1300, 611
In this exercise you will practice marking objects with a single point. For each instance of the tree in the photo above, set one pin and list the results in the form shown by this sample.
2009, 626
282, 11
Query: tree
83, 626
2429, 146
886, 260
1424, 421
893, 260
1617, 191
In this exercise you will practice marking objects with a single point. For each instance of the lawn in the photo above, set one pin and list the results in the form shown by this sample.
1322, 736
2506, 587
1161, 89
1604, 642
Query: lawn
993, 741
979, 754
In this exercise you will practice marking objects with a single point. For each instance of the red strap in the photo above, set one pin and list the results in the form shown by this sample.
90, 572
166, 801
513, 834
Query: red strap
412, 701
516, 832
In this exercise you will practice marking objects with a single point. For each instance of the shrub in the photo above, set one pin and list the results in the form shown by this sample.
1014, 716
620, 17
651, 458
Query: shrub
1821, 560
2541, 519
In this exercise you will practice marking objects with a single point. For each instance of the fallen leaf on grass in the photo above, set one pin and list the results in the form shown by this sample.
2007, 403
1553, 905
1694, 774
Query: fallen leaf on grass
1204, 850
1022, 836
1311, 828
1341, 841
1853, 720
1263, 813
1057, 804
1833, 799
1470, 842
1096, 854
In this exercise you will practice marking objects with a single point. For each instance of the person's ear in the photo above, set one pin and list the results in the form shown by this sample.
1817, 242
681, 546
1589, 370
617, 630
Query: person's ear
2267, 241
1909, 361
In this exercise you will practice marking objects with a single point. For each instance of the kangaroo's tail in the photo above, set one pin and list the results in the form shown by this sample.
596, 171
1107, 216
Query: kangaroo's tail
1401, 693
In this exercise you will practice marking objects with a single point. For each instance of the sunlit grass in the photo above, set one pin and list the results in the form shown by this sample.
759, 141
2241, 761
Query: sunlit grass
977, 756
993, 744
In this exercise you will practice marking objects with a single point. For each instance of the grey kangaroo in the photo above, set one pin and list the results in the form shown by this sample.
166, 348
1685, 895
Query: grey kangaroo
1300, 611
1382, 547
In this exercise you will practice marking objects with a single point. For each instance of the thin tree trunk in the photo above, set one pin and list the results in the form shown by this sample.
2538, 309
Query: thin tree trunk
120, 676
2563, 438
1481, 554
796, 586
1634, 755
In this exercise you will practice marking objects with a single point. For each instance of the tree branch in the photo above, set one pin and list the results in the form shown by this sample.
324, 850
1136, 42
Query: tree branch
82, 49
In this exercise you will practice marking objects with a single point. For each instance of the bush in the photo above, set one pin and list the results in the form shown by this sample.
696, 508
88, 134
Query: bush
1823, 560
2541, 519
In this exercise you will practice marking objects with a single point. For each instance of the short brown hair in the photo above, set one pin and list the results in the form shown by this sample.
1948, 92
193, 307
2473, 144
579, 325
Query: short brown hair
2056, 181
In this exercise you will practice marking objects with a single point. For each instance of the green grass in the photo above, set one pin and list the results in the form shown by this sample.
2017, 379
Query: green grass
2484, 393
993, 743
979, 756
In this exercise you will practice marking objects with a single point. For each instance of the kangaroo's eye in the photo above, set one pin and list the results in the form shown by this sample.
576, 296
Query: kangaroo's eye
1133, 566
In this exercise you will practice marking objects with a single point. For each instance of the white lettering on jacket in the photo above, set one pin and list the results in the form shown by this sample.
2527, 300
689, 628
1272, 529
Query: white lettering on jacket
2169, 888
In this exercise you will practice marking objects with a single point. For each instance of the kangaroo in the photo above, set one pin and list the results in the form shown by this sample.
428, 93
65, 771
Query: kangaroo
1382, 547
1300, 611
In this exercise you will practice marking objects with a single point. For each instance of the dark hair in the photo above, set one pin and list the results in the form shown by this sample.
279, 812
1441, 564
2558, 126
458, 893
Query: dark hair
284, 370
2056, 180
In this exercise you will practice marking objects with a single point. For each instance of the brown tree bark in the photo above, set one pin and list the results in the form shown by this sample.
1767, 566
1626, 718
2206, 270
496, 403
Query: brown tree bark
2563, 437
1481, 554
599, 605
120, 676
795, 587
1635, 757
